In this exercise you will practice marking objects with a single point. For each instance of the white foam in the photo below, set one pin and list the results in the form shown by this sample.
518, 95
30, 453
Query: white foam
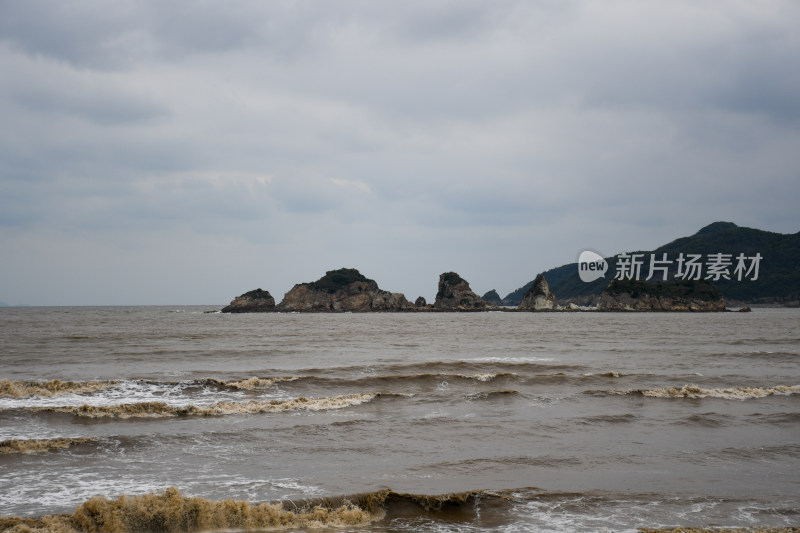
696, 392
479, 377
513, 359
175, 394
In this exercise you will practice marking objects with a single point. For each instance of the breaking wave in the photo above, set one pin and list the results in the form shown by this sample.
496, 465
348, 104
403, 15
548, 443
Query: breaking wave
24, 389
246, 384
38, 445
695, 392
162, 409
172, 512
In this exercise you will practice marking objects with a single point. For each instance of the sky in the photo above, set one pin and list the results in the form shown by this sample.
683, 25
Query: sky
183, 152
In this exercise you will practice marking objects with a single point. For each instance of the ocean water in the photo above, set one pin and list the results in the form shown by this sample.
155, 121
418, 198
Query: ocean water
402, 422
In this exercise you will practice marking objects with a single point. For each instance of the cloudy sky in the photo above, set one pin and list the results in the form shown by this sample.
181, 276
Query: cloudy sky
185, 152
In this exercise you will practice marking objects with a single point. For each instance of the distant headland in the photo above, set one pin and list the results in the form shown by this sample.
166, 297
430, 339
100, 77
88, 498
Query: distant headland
777, 283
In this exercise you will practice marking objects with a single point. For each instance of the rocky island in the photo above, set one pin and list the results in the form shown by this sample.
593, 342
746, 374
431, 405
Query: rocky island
347, 290
538, 297
678, 295
256, 301
454, 294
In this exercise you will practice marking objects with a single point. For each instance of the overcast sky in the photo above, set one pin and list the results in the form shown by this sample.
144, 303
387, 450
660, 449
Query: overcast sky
186, 152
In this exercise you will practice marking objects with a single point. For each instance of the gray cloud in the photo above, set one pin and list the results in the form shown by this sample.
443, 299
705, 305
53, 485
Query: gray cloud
156, 140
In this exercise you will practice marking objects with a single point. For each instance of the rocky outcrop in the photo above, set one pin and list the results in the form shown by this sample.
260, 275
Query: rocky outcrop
492, 298
682, 295
420, 302
345, 289
538, 297
455, 295
256, 301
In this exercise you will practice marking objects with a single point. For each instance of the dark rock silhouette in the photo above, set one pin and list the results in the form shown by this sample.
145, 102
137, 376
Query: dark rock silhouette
256, 301
455, 295
345, 289
492, 298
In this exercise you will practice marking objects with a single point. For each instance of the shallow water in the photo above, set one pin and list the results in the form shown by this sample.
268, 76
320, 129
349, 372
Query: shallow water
551, 421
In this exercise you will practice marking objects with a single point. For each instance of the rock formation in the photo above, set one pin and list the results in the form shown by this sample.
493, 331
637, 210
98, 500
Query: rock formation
679, 295
492, 298
538, 297
455, 295
345, 289
420, 302
256, 301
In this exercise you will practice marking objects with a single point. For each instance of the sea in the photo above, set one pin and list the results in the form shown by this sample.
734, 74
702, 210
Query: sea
181, 418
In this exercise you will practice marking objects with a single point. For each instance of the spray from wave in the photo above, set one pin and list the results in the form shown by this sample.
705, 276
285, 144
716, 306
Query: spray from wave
171, 512
162, 409
695, 392
24, 389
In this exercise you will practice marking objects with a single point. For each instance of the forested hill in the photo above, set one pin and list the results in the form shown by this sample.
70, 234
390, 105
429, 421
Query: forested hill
778, 277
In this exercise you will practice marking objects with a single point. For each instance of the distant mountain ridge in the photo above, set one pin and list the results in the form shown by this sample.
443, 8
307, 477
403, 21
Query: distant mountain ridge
779, 270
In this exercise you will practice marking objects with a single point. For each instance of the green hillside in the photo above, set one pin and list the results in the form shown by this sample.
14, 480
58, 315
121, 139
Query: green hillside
779, 270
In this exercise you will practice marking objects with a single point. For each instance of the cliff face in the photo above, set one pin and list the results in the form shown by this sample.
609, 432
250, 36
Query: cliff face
630, 295
455, 295
256, 301
343, 290
538, 297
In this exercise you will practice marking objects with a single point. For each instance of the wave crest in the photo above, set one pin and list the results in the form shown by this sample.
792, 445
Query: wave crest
24, 389
245, 384
695, 392
172, 512
162, 409
38, 445
255, 383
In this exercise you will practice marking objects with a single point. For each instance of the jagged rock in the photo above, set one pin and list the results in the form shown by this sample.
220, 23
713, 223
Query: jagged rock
256, 301
345, 289
679, 295
455, 295
572, 307
420, 302
492, 298
745, 309
538, 297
